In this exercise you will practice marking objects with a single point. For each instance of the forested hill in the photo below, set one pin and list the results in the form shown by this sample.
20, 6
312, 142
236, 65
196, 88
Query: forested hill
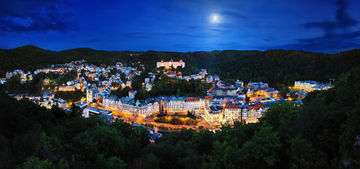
273, 66
322, 134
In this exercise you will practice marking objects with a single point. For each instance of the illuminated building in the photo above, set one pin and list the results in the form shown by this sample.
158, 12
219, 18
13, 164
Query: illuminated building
224, 91
132, 94
66, 88
257, 85
227, 113
170, 64
148, 86
46, 81
310, 86
61, 103
213, 114
127, 105
269, 92
91, 95
194, 104
232, 113
253, 112
176, 104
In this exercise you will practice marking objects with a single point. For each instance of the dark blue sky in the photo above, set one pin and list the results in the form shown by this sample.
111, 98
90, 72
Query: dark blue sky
181, 25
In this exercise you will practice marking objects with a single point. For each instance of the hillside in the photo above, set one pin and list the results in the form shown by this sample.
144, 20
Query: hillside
276, 67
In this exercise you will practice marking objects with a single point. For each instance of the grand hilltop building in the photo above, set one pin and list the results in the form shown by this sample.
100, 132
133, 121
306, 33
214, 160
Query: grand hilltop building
170, 64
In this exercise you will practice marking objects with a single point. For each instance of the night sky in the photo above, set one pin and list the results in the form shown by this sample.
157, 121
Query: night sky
181, 25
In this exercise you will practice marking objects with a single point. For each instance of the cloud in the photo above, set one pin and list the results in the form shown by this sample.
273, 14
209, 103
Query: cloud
35, 15
157, 34
234, 15
343, 20
338, 34
193, 27
90, 41
269, 38
181, 34
331, 43
135, 35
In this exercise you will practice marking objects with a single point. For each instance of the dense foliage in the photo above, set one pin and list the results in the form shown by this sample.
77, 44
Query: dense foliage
14, 85
320, 134
36, 85
164, 86
67, 76
70, 96
34, 137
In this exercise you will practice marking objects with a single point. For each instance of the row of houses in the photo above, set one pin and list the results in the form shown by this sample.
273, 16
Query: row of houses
47, 100
214, 109
23, 76
229, 112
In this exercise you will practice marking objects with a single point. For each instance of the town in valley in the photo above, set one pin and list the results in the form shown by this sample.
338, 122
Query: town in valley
220, 103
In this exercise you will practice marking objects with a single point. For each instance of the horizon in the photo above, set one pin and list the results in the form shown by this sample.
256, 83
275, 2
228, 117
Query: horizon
181, 26
319, 52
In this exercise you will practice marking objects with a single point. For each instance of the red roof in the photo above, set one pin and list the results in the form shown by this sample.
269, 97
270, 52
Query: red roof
209, 97
192, 99
256, 106
228, 106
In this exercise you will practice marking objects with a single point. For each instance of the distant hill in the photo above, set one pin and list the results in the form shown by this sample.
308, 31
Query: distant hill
32, 57
273, 66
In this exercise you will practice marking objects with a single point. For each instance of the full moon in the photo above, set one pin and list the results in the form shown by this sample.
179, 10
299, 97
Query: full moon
215, 18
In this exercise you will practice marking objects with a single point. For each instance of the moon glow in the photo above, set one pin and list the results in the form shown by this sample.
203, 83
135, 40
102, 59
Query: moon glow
215, 18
